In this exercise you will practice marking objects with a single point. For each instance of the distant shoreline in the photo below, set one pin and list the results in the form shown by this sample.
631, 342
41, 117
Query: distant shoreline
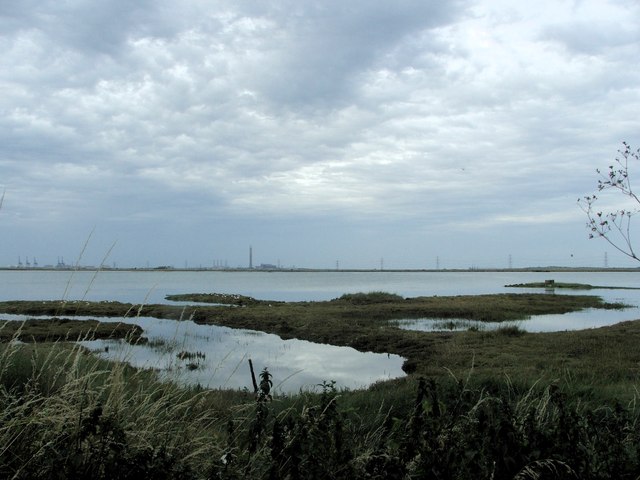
550, 269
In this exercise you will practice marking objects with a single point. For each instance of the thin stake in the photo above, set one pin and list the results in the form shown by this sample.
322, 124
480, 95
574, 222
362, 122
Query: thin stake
253, 377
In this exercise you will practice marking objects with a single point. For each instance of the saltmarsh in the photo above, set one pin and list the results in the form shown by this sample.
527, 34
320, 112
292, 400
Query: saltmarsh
502, 405
61, 329
600, 359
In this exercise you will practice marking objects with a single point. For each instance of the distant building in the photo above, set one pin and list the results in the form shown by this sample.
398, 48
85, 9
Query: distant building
267, 266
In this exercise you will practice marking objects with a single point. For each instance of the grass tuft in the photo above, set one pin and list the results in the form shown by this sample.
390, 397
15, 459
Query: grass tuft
369, 298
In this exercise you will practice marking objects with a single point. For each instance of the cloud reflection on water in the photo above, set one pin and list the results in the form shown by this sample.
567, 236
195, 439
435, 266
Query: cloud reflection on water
295, 364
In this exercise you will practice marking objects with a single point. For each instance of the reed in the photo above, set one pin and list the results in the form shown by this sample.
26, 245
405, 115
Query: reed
67, 414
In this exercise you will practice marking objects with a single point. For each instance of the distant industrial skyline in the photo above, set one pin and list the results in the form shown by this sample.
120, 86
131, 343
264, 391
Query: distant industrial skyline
509, 262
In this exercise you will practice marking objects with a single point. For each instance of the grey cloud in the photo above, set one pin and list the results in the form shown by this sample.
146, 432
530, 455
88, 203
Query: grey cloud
325, 47
593, 38
263, 117
93, 26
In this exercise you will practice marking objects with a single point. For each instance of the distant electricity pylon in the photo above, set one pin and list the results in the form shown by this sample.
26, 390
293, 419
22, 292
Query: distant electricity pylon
606, 260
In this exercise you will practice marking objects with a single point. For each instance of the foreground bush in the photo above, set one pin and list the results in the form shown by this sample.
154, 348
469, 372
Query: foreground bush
65, 414
462, 434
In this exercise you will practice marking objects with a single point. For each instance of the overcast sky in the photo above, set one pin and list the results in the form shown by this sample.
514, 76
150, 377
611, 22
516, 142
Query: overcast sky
410, 132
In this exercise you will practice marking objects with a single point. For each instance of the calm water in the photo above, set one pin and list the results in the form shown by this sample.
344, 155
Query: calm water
152, 286
295, 364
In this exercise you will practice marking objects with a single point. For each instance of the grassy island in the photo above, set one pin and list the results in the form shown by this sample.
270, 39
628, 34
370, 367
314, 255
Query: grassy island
550, 284
61, 329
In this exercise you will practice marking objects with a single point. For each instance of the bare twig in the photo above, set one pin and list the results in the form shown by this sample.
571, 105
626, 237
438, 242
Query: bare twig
614, 226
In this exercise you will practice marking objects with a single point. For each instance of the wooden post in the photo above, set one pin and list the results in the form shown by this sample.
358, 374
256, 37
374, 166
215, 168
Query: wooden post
253, 377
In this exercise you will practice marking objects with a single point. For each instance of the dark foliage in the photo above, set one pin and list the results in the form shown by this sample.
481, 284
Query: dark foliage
451, 433
448, 432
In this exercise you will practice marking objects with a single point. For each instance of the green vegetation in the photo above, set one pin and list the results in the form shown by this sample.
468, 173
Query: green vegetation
570, 286
219, 298
498, 404
55, 329
362, 321
243, 300
370, 298
66, 414
370, 308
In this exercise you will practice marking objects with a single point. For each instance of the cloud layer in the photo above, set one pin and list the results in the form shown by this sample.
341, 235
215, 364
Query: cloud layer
315, 131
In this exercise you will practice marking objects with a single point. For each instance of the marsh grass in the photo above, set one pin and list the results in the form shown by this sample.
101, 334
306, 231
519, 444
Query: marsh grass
184, 355
162, 344
60, 329
509, 331
194, 360
571, 286
369, 298
457, 325
67, 414
605, 360
532, 406
360, 321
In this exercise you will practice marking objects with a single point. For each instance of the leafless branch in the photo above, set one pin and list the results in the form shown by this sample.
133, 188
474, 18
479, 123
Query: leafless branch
615, 226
